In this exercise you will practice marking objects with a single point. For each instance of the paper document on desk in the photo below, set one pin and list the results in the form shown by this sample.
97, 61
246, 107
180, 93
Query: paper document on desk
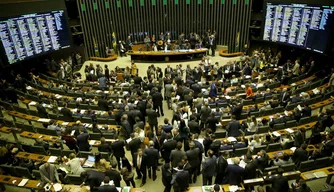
58, 96
276, 134
320, 174
92, 142
52, 159
65, 123
231, 139
44, 120
23, 182
299, 107
29, 88
289, 130
32, 103
126, 189
315, 91
248, 76
293, 84
230, 161
57, 187
233, 188
286, 113
128, 140
293, 149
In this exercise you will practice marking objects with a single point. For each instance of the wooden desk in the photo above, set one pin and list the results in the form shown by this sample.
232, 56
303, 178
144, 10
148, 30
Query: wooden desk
224, 187
33, 156
31, 184
5, 129
166, 56
275, 154
109, 58
32, 135
224, 53
328, 170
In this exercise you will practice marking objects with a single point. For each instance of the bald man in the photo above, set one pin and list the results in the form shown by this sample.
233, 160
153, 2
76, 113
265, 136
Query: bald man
49, 173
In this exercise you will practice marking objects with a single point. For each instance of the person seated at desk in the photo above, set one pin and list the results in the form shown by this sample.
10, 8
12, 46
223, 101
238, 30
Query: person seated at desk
300, 155
74, 164
54, 126
279, 119
106, 187
49, 174
256, 141
278, 181
100, 163
328, 145
282, 160
249, 92
40, 142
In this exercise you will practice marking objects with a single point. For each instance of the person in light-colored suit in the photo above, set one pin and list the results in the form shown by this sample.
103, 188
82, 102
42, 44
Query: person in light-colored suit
49, 173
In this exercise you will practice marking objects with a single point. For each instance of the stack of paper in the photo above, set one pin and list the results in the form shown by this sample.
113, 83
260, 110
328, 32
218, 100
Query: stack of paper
289, 130
315, 91
57, 187
52, 159
231, 139
44, 120
276, 134
233, 188
32, 103
92, 142
65, 123
293, 149
58, 96
320, 174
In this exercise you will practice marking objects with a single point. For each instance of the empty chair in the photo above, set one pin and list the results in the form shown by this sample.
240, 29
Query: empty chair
19, 125
29, 128
272, 169
304, 120
102, 120
220, 134
259, 148
109, 135
322, 162
55, 152
256, 114
314, 118
105, 155
240, 152
87, 120
273, 147
7, 169
67, 153
38, 150
95, 136
259, 100
74, 179
244, 115
85, 154
288, 144
247, 102
84, 106
278, 126
53, 116
36, 174
47, 131
279, 109
263, 129
76, 118
288, 167
306, 165
290, 124
112, 122
23, 172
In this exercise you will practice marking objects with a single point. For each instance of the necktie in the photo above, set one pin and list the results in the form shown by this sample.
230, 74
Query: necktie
283, 97
139, 162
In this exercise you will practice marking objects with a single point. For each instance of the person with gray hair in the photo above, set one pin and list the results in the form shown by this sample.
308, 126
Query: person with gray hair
74, 165
205, 113
234, 173
152, 160
127, 129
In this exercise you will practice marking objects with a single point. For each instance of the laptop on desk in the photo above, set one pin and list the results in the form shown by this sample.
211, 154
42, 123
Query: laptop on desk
90, 161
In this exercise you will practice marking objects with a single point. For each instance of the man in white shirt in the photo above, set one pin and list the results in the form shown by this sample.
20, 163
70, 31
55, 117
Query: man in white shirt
74, 165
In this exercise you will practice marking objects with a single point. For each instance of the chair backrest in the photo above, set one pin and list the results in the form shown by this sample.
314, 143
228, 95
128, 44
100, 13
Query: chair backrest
304, 120
95, 136
256, 114
55, 152
7, 169
272, 169
220, 134
263, 129
19, 124
288, 167
36, 174
248, 102
102, 120
105, 155
306, 165
112, 122
288, 144
87, 120
290, 124
23, 172
74, 179
108, 135
38, 150
240, 151
322, 162
278, 126
273, 147
66, 152
47, 131
259, 148
29, 128
85, 154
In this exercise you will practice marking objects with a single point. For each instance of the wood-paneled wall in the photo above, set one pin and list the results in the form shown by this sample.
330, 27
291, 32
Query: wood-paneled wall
100, 18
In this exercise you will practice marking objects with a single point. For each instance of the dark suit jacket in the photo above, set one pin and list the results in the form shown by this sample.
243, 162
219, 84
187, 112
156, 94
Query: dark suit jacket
299, 155
212, 121
42, 111
153, 155
152, 116
250, 170
193, 157
306, 112
167, 148
234, 174
237, 110
103, 104
115, 176
166, 176
134, 145
157, 99
143, 161
279, 183
139, 124
104, 148
67, 114
82, 141
181, 180
221, 166
209, 166
233, 128
94, 178
205, 113
107, 188
118, 148
194, 127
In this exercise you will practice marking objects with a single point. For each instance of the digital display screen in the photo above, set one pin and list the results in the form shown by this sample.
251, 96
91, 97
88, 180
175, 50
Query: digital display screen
302, 25
33, 34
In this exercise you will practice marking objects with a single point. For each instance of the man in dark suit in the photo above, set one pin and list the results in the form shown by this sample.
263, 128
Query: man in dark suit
167, 177
193, 125
167, 147
306, 111
193, 159
103, 104
250, 169
196, 88
247, 70
82, 141
280, 119
212, 122
127, 128
152, 117
106, 187
118, 149
278, 181
168, 69
212, 44
157, 102
152, 161
134, 144
205, 113
139, 162
208, 168
114, 175
221, 167
92, 178
284, 98
41, 111
180, 180
233, 128
237, 110
104, 146
67, 113
300, 155
234, 173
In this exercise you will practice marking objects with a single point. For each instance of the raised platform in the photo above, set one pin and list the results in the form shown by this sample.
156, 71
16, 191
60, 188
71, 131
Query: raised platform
110, 58
182, 55
224, 53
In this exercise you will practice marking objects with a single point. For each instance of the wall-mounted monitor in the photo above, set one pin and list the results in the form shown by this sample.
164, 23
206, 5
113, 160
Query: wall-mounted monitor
302, 25
31, 35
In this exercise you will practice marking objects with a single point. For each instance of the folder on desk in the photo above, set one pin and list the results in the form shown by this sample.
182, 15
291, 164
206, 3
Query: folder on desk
52, 159
23, 182
57, 187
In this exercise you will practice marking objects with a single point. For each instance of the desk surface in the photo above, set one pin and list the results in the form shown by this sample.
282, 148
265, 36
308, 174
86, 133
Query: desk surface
32, 135
327, 170
225, 188
162, 53
33, 156
31, 184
